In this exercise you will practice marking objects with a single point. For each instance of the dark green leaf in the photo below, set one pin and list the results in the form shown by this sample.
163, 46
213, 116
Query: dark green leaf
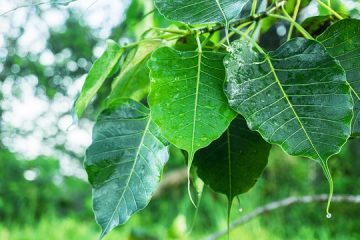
232, 164
133, 80
200, 11
186, 98
124, 162
296, 97
342, 41
317, 24
99, 72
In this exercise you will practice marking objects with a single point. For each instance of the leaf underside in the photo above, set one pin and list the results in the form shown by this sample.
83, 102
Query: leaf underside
342, 41
232, 164
199, 11
296, 97
124, 162
186, 98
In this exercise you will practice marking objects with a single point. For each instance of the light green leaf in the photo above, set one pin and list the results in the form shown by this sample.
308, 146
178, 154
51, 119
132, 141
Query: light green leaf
124, 162
186, 98
133, 80
102, 69
296, 97
200, 11
232, 164
342, 41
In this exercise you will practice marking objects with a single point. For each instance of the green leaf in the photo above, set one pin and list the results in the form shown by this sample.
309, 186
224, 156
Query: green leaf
296, 97
200, 11
186, 98
317, 24
99, 72
342, 41
232, 164
356, 122
133, 80
124, 162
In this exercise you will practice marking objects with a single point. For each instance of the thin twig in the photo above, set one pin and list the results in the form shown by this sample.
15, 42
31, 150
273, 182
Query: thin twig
284, 203
36, 4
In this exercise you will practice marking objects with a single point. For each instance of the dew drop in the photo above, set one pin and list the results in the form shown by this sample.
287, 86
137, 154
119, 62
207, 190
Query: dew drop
241, 209
328, 215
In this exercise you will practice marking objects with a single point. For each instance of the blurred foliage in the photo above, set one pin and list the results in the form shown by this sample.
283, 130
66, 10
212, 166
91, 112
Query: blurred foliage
30, 189
38, 201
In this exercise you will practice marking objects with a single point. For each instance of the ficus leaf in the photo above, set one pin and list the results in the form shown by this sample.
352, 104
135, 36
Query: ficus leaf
317, 24
133, 80
99, 72
186, 97
296, 97
342, 41
232, 164
124, 162
200, 11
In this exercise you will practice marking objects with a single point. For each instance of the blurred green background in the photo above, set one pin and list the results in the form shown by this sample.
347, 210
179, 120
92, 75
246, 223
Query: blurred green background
46, 49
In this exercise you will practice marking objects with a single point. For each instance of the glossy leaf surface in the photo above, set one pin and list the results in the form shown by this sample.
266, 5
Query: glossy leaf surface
342, 41
124, 162
296, 97
99, 72
232, 164
187, 99
200, 11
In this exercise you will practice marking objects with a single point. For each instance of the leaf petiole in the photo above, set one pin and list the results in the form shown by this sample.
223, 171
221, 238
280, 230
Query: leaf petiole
328, 7
298, 26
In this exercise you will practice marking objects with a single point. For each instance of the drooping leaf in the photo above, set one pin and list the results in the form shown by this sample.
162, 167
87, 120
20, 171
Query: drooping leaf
200, 11
99, 72
342, 41
232, 164
124, 162
133, 80
186, 98
296, 97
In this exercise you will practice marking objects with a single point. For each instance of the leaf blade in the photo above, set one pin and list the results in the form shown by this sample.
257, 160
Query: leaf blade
99, 72
342, 41
198, 12
186, 97
124, 162
232, 164
288, 78
133, 80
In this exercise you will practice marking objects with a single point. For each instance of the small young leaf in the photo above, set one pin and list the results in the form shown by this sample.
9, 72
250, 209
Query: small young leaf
124, 162
232, 164
342, 41
133, 80
186, 98
199, 11
99, 72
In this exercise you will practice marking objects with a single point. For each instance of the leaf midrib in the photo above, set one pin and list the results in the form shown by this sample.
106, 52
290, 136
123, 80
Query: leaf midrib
192, 152
130, 175
222, 12
229, 164
290, 104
